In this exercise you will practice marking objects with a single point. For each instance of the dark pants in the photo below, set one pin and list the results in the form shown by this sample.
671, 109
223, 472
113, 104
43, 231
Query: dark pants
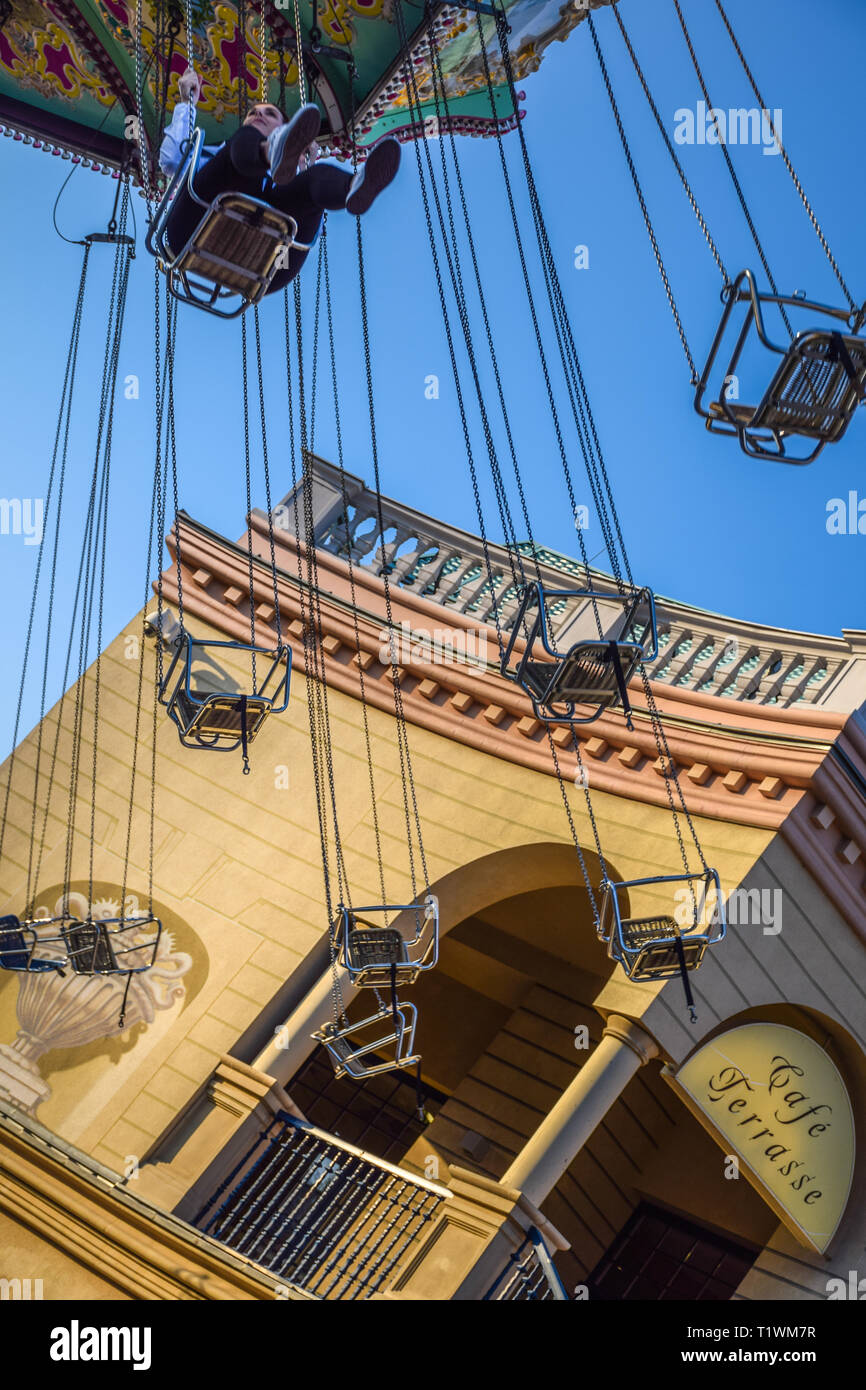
238, 168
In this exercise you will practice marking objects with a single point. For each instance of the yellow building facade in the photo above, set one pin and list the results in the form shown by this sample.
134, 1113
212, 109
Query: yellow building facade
573, 1116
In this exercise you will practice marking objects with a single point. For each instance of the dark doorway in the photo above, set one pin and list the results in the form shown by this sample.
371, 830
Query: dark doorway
661, 1256
378, 1115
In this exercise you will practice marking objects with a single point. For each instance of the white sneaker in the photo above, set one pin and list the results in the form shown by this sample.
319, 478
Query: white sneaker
380, 169
287, 143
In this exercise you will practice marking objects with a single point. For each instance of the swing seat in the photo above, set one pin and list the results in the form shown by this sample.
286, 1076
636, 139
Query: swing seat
379, 956
209, 716
590, 672
18, 945
209, 720
112, 946
373, 949
817, 385
647, 944
650, 951
228, 263
381, 1043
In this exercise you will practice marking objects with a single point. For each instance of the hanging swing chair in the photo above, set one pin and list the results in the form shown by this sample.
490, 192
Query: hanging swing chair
112, 945
231, 258
377, 955
22, 945
375, 1045
652, 945
204, 702
818, 383
592, 671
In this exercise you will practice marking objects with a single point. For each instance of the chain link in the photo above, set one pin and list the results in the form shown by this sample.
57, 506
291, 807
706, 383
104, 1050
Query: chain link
639, 191
64, 413
671, 151
788, 165
263, 48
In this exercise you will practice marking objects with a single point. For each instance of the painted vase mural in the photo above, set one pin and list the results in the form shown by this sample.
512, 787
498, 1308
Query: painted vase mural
57, 1011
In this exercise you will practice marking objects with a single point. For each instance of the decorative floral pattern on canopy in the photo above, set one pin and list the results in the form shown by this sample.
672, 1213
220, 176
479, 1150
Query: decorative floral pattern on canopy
67, 67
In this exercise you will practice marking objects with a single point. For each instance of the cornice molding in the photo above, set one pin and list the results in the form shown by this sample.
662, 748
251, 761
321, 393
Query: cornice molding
738, 764
744, 765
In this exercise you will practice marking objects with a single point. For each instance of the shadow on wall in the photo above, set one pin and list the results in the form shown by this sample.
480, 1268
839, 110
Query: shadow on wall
62, 1044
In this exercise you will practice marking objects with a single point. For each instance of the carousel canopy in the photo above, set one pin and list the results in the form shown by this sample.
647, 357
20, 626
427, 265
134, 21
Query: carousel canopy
68, 67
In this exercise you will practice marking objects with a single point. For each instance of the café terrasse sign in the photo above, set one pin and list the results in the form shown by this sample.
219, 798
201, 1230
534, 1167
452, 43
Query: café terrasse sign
773, 1097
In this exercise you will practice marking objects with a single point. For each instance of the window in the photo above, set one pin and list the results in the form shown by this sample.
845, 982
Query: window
661, 1256
378, 1115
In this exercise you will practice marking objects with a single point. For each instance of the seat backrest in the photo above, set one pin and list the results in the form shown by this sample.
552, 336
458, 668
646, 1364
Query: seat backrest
812, 392
236, 244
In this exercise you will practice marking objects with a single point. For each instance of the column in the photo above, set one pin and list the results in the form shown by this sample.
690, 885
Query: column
624, 1048
292, 1043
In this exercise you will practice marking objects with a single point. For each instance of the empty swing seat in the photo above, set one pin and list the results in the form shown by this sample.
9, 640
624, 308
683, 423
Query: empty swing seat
814, 391
658, 946
592, 671
113, 945
232, 256
378, 955
206, 713
19, 943
381, 1043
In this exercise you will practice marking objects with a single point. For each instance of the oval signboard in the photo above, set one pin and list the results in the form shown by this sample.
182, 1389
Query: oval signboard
771, 1095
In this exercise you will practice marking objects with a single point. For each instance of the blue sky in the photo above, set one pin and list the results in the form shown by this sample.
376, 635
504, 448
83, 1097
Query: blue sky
702, 523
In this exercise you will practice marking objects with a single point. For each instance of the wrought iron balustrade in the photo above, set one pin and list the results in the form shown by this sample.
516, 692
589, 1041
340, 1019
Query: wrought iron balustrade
529, 1275
319, 1213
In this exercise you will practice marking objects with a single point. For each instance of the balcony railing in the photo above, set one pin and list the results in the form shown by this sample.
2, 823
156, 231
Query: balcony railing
529, 1275
319, 1213
701, 651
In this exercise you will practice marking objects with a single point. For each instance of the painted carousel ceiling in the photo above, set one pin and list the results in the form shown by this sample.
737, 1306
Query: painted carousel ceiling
68, 67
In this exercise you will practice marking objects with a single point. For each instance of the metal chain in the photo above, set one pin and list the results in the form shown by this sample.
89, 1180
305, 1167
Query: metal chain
63, 423
440, 83
124, 255
671, 151
263, 78
299, 56
515, 557
530, 298
788, 165
190, 63
558, 310
143, 152
305, 621
636, 181
731, 170
249, 495
309, 636
415, 106
406, 772
242, 60
374, 807
319, 687
267, 470
95, 513
171, 441
578, 396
